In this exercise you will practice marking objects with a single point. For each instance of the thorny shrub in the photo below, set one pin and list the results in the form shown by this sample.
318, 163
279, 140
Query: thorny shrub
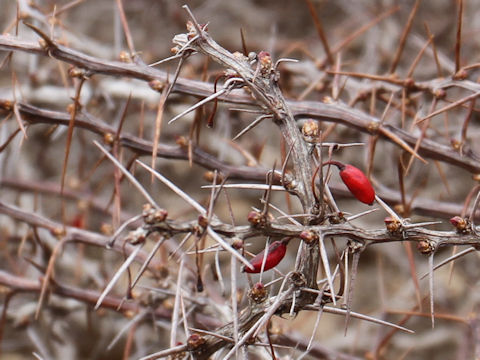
189, 208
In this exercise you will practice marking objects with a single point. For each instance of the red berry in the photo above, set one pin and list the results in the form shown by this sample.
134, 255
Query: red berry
78, 221
276, 252
356, 182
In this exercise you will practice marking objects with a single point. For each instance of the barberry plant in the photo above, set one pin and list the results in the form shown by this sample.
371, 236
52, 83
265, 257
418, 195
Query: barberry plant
188, 206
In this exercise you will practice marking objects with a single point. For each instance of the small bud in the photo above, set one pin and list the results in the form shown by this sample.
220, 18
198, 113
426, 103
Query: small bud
160, 215
393, 225
264, 57
265, 61
129, 314
289, 182
147, 214
156, 85
458, 222
210, 176
328, 100
108, 138
6, 105
256, 219
258, 293
476, 177
440, 93
74, 183
75, 72
308, 236
43, 44
70, 108
409, 83
125, 57
310, 131
460, 75
153, 216
462, 225
239, 56
58, 232
202, 221
190, 27
456, 144
425, 247
106, 229
276, 329
237, 244
195, 342
137, 236
373, 127
400, 209
168, 304
336, 218
192, 31
181, 141
298, 279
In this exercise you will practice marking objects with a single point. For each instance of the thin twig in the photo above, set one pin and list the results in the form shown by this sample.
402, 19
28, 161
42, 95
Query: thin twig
320, 31
403, 38
458, 41
117, 275
130, 177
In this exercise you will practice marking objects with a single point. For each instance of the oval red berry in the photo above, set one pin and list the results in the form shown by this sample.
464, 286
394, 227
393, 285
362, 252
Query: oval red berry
358, 184
276, 252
